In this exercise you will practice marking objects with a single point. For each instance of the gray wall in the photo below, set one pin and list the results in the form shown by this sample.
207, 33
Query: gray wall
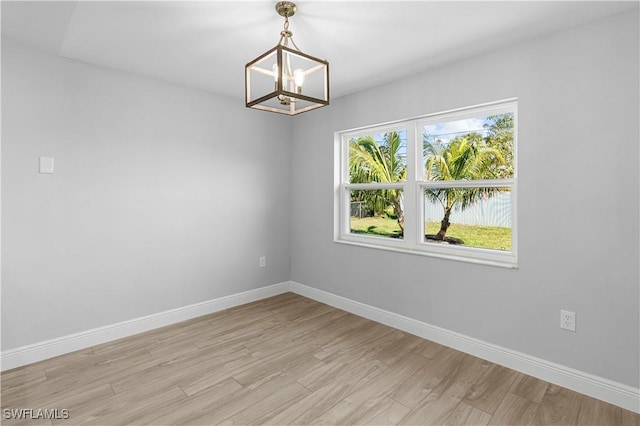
162, 196
578, 153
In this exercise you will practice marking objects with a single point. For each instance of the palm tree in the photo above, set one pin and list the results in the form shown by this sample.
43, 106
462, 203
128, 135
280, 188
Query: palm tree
500, 136
466, 157
384, 162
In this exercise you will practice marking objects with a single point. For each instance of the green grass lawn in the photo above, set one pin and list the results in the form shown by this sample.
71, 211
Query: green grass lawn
380, 226
491, 237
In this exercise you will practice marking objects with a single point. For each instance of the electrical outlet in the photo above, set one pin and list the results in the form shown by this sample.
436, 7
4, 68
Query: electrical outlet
568, 320
263, 261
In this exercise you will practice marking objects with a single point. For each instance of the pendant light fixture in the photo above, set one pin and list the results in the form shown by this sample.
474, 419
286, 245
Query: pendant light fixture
284, 79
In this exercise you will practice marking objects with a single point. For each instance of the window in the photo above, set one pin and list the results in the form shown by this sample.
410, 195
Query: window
440, 185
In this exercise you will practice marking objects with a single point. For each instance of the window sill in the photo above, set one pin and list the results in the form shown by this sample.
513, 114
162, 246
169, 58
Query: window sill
507, 263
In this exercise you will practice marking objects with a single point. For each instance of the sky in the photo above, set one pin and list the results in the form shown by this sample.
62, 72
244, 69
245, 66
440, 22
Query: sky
449, 130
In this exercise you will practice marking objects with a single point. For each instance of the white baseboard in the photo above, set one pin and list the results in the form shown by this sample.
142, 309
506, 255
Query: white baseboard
606, 390
615, 393
62, 345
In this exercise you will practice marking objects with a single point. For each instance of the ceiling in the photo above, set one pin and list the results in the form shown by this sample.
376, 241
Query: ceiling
206, 44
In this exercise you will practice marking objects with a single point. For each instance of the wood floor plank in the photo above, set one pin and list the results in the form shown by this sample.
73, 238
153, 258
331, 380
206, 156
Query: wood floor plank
95, 363
288, 372
595, 412
465, 414
434, 409
208, 376
20, 376
50, 395
355, 405
243, 406
529, 387
386, 412
352, 339
413, 390
259, 409
175, 334
462, 375
516, 410
232, 338
342, 370
559, 406
408, 343
370, 349
441, 403
73, 399
430, 349
265, 361
181, 371
96, 370
329, 386
190, 409
42, 397
289, 360
20, 379
487, 393
630, 418
314, 405
293, 359
124, 408
327, 328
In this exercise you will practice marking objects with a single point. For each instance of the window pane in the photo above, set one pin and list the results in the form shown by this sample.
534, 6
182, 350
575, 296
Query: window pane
470, 217
469, 149
377, 213
379, 157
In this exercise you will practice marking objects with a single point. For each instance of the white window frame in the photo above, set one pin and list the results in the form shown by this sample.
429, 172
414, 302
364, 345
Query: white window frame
413, 190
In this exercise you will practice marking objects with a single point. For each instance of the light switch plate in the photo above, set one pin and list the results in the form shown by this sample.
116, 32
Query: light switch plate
46, 165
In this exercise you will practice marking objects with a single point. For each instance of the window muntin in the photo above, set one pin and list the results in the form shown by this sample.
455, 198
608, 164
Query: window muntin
483, 214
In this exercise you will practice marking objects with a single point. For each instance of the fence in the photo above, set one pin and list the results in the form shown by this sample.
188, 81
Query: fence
359, 209
490, 211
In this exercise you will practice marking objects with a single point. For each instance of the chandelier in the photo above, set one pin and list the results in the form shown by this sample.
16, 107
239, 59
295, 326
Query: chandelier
284, 79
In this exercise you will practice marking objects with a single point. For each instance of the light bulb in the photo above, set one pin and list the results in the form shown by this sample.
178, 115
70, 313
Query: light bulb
298, 76
274, 68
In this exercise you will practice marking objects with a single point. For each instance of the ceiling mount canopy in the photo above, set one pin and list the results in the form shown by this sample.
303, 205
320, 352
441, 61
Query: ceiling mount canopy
286, 9
284, 79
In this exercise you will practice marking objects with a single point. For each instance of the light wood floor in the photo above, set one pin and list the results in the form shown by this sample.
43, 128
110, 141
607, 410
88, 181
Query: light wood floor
290, 360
